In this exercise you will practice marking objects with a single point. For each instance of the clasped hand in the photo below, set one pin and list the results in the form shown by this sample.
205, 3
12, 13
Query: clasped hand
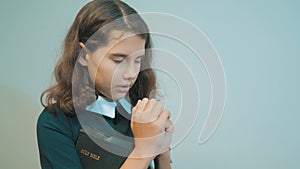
152, 128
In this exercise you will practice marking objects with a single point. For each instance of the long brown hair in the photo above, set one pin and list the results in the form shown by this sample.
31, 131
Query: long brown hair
90, 19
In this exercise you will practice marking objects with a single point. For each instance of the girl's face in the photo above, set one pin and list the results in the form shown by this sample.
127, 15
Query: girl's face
115, 67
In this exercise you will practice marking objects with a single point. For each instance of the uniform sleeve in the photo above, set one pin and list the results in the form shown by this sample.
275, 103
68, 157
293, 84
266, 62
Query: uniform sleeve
55, 140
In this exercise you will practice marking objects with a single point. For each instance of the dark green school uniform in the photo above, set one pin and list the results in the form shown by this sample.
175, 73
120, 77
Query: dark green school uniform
58, 135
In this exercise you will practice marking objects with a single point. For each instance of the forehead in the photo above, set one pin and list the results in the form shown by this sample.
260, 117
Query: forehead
126, 43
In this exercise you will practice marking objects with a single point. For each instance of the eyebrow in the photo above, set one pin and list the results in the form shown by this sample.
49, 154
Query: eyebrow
119, 55
123, 55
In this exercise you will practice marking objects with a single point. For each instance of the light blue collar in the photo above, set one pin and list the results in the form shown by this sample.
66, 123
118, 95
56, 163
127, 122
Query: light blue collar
107, 108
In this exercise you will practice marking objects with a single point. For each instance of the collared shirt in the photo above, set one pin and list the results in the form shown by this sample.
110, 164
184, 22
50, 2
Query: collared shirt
107, 108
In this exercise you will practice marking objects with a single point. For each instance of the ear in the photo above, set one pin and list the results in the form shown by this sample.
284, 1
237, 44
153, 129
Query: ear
83, 59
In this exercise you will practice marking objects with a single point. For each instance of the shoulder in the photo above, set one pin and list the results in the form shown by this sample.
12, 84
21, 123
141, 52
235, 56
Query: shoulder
48, 119
58, 122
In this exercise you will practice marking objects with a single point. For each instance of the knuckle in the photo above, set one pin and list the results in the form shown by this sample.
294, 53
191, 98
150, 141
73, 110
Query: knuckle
133, 110
160, 106
168, 112
152, 100
172, 124
145, 99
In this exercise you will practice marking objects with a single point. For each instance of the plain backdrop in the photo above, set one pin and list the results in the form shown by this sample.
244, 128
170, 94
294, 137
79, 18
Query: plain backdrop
258, 44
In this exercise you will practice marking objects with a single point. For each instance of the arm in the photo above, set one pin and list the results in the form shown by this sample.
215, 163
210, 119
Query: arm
132, 161
56, 146
162, 161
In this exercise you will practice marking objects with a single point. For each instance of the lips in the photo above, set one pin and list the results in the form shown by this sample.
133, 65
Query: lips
124, 88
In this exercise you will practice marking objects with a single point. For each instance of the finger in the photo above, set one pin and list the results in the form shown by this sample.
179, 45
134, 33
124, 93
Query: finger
149, 114
169, 126
136, 105
134, 109
140, 107
168, 123
170, 129
149, 105
157, 110
163, 116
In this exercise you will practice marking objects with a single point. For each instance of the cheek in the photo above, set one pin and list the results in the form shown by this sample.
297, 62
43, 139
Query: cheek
117, 72
101, 74
137, 71
133, 81
105, 73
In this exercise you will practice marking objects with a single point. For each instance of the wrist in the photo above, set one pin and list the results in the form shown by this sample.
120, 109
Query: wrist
148, 147
139, 153
164, 156
163, 161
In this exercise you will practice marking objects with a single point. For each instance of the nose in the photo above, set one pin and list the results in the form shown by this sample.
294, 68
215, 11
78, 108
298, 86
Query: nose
130, 73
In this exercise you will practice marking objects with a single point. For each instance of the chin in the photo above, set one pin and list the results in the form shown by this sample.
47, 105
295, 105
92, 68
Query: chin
118, 96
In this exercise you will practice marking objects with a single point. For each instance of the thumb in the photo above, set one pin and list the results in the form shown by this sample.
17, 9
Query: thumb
169, 126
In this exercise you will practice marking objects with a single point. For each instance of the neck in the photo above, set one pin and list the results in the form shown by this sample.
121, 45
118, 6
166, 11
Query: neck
105, 97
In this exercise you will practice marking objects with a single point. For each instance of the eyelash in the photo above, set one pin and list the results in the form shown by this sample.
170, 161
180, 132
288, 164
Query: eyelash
118, 61
138, 61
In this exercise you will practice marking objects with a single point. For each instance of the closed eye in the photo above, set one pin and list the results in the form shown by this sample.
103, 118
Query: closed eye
139, 59
118, 60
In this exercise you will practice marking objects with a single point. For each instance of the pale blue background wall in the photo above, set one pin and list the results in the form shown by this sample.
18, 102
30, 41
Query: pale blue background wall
258, 43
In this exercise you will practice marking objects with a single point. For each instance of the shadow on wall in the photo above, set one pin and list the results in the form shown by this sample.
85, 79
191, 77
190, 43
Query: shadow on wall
17, 125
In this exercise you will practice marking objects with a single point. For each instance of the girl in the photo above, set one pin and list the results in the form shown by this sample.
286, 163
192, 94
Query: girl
104, 71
